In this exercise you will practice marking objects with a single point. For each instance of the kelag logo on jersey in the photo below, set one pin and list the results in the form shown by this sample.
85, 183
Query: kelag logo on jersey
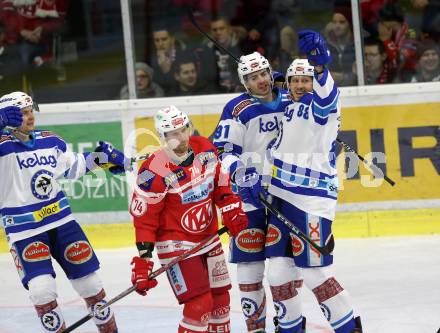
198, 193
30, 162
269, 126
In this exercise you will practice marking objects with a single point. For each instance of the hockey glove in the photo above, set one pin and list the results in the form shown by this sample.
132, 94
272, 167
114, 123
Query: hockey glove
139, 276
232, 214
313, 44
10, 116
114, 157
249, 186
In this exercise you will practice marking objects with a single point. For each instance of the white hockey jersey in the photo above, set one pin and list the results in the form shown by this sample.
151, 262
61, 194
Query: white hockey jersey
303, 156
31, 199
245, 129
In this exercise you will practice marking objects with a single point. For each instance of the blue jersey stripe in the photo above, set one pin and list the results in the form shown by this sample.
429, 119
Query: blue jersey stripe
31, 208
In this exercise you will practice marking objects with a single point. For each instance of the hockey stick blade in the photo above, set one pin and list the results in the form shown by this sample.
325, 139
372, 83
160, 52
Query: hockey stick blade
153, 275
374, 168
204, 33
327, 249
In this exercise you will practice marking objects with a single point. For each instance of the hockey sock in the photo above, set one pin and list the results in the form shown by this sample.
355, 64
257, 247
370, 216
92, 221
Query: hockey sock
196, 314
51, 317
220, 322
288, 306
253, 304
104, 320
335, 305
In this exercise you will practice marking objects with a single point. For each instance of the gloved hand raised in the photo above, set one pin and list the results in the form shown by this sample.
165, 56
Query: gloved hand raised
232, 214
249, 186
114, 156
10, 116
313, 44
140, 272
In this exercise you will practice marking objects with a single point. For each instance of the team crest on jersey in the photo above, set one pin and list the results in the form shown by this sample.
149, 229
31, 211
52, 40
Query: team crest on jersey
78, 252
36, 251
273, 235
51, 321
297, 245
241, 106
250, 240
198, 218
41, 184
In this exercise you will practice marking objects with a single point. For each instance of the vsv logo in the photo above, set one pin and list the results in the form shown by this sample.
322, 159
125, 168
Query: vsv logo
269, 126
35, 160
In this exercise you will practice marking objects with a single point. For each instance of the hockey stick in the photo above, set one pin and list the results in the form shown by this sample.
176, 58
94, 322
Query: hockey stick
324, 250
344, 145
153, 275
372, 167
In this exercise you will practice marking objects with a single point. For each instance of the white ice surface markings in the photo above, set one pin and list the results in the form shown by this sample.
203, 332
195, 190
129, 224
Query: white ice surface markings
393, 283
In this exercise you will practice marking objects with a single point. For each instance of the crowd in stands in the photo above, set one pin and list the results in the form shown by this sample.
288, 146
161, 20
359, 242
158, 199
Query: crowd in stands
401, 40
27, 28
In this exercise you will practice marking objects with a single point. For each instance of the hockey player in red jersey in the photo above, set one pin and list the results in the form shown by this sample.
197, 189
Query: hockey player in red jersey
173, 209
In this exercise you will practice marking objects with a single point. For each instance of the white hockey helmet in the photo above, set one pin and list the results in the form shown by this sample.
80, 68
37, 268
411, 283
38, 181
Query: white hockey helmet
19, 99
251, 63
299, 67
170, 118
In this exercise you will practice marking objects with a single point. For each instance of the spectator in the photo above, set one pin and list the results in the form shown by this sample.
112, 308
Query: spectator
431, 18
187, 79
341, 45
2, 51
34, 24
377, 69
370, 14
213, 57
288, 49
428, 67
145, 86
167, 50
399, 40
259, 22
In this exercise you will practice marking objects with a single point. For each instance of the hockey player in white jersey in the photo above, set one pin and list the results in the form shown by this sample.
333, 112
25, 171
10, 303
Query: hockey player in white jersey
304, 186
247, 125
36, 215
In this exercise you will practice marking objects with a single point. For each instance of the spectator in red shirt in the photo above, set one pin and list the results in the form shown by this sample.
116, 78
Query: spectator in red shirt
33, 26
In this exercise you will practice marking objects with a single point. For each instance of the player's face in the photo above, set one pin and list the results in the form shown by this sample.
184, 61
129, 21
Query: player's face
299, 85
163, 41
341, 27
187, 75
429, 60
259, 83
28, 124
142, 80
221, 31
178, 140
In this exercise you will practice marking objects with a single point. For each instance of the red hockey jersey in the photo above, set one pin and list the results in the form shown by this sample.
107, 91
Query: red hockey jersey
174, 205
